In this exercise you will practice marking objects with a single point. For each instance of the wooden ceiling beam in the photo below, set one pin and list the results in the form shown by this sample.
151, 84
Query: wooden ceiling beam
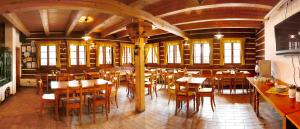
75, 16
15, 21
45, 21
106, 6
183, 16
114, 20
213, 6
203, 26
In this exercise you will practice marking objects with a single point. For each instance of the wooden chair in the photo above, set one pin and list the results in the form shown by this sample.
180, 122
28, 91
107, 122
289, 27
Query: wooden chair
73, 100
115, 79
63, 77
183, 93
44, 78
99, 99
130, 85
151, 84
239, 79
171, 86
206, 92
44, 98
226, 80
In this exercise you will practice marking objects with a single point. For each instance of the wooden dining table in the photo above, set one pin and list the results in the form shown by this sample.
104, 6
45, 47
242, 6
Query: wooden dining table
60, 87
194, 82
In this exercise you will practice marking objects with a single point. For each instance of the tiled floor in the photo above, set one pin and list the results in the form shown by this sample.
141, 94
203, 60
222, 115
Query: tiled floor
233, 112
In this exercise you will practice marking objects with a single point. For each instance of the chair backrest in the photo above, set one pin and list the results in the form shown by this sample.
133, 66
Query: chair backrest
102, 87
63, 77
40, 84
74, 93
182, 88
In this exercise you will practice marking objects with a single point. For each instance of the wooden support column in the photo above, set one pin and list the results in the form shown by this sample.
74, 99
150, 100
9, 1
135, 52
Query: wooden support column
137, 33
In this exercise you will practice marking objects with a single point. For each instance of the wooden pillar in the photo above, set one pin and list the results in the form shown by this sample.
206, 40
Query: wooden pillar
137, 33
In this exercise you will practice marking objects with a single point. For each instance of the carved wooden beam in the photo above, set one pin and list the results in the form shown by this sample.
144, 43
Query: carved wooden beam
14, 19
75, 16
45, 20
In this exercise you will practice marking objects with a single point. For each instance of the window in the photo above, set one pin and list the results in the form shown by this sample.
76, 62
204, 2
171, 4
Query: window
48, 55
127, 55
174, 54
105, 55
201, 53
152, 58
232, 53
77, 55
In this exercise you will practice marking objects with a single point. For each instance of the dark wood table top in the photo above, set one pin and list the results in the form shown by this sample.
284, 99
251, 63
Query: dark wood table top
282, 103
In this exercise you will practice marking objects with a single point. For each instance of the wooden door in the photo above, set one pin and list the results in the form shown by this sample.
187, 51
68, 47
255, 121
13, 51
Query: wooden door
18, 64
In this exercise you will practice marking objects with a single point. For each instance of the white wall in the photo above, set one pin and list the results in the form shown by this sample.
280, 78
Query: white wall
11, 41
282, 67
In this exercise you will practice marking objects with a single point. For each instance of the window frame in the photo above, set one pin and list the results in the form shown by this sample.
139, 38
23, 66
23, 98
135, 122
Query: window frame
48, 56
127, 56
104, 53
153, 56
201, 53
77, 55
232, 52
174, 53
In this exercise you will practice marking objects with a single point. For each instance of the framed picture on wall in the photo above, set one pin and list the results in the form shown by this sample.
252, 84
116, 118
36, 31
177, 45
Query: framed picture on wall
28, 65
23, 48
28, 48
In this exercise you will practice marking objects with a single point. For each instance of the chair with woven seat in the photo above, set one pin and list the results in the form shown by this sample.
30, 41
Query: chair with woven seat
99, 99
239, 79
183, 93
45, 98
206, 92
171, 86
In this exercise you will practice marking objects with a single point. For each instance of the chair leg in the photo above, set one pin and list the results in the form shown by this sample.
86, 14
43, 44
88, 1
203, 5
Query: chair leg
187, 108
150, 91
169, 99
106, 111
211, 104
155, 90
94, 113
116, 101
176, 107
41, 108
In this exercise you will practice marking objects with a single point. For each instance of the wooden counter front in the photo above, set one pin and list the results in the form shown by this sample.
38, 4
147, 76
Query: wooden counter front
282, 103
294, 118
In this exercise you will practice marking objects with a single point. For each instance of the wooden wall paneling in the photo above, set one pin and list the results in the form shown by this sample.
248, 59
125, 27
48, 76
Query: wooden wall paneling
260, 44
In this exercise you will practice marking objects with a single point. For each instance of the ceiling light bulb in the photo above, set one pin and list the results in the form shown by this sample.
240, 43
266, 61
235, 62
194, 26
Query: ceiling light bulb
86, 38
219, 35
292, 36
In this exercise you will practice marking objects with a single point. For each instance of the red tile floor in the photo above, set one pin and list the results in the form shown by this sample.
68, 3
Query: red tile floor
21, 111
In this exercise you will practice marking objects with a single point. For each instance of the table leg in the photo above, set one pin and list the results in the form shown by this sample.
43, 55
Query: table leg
250, 94
257, 103
284, 123
56, 105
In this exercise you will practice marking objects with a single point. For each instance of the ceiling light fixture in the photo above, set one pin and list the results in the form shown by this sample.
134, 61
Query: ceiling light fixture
85, 19
219, 35
86, 38
292, 36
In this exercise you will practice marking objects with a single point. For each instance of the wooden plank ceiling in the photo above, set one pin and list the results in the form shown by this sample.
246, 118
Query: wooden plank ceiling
169, 16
